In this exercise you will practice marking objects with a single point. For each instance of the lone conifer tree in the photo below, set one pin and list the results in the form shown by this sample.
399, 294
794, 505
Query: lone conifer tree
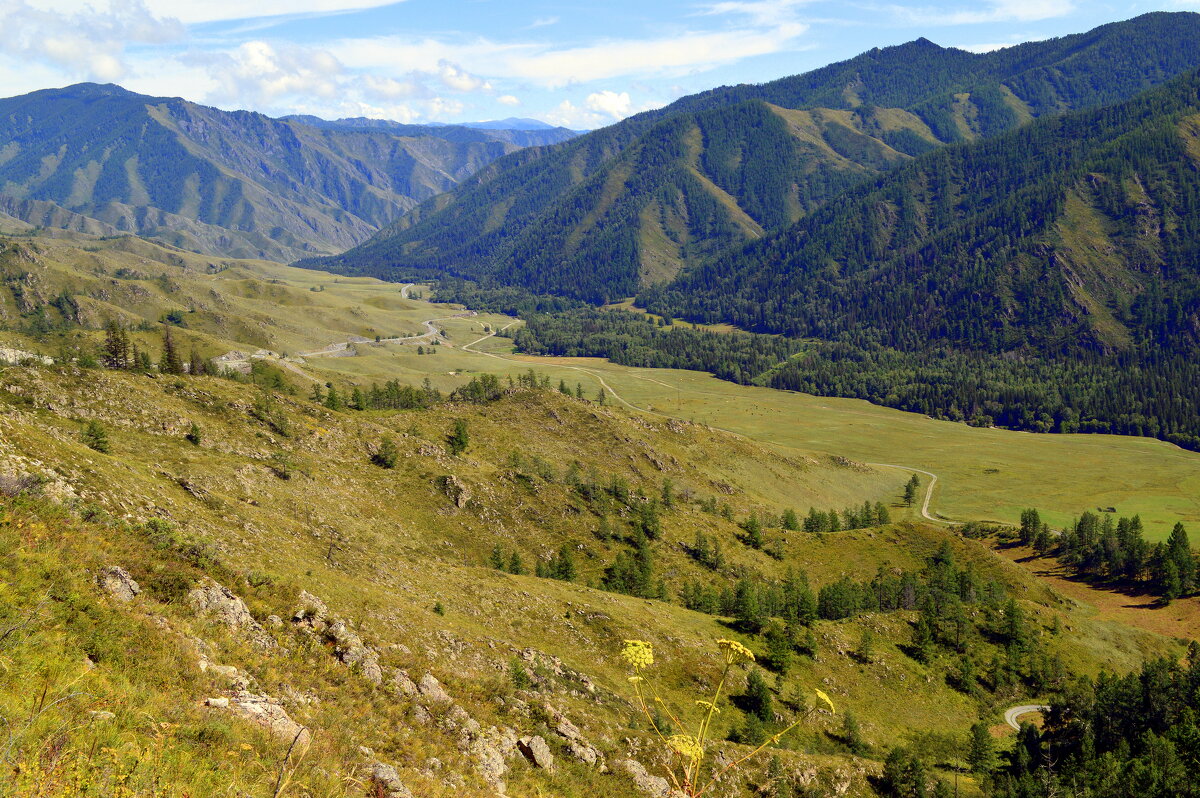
171, 362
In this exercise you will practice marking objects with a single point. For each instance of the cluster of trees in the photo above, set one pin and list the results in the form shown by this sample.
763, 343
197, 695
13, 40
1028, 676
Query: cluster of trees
862, 517
1116, 736
389, 396
1115, 550
120, 352
634, 339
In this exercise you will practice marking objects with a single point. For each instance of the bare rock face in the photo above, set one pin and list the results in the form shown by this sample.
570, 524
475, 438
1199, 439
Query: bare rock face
270, 714
654, 786
537, 752
387, 783
117, 582
220, 605
432, 690
350, 649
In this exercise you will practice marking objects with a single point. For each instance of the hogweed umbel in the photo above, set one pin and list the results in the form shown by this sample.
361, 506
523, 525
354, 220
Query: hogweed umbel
690, 749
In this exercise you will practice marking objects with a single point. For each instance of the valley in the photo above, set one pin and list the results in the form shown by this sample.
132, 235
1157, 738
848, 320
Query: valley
831, 436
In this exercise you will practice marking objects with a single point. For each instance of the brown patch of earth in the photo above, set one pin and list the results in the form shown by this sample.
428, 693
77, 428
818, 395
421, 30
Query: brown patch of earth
1179, 619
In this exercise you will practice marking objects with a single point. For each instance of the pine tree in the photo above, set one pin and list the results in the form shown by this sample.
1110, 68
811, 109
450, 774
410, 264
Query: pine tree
497, 558
515, 565
789, 521
758, 696
95, 437
171, 362
388, 453
116, 346
196, 366
601, 397
458, 439
193, 434
333, 400
981, 751
754, 536
910, 489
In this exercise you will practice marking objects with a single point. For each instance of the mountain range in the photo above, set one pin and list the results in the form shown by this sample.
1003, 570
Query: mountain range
100, 159
609, 213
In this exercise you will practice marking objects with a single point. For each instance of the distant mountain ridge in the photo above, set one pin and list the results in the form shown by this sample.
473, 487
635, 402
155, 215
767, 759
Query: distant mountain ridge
522, 132
104, 160
609, 213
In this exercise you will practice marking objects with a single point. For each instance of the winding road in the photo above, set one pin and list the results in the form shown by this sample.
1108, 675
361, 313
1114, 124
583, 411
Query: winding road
1010, 717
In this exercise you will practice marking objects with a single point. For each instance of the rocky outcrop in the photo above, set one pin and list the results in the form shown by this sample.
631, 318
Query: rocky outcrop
387, 783
221, 606
537, 752
266, 712
403, 684
350, 649
577, 744
646, 784
117, 582
431, 690
455, 490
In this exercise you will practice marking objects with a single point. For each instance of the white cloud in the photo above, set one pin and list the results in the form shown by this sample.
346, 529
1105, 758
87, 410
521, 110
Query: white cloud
455, 77
557, 67
508, 99
390, 88
86, 42
542, 22
194, 11
618, 106
259, 72
994, 11
760, 12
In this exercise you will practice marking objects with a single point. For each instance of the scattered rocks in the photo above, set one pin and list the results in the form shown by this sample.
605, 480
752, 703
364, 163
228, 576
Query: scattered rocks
537, 752
117, 582
387, 781
220, 702
101, 714
220, 605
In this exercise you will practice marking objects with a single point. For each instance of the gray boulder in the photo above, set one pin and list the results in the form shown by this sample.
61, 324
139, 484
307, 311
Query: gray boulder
117, 582
221, 606
387, 781
537, 752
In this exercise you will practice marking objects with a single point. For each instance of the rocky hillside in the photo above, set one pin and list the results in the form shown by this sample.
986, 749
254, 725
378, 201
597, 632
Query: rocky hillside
231, 588
99, 159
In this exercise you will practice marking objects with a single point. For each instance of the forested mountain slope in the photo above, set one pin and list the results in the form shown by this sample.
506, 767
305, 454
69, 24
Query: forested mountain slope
634, 204
103, 160
1078, 232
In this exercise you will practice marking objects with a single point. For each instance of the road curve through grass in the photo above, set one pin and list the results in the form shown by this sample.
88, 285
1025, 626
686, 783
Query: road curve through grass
1010, 717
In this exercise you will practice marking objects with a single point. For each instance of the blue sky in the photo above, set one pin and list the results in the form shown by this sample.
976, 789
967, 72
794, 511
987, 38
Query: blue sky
582, 65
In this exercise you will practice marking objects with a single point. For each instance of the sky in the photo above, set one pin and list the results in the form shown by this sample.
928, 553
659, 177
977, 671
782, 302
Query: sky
576, 64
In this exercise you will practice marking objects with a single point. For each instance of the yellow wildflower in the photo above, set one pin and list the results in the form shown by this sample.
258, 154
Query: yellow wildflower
821, 695
735, 652
709, 706
686, 745
638, 653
